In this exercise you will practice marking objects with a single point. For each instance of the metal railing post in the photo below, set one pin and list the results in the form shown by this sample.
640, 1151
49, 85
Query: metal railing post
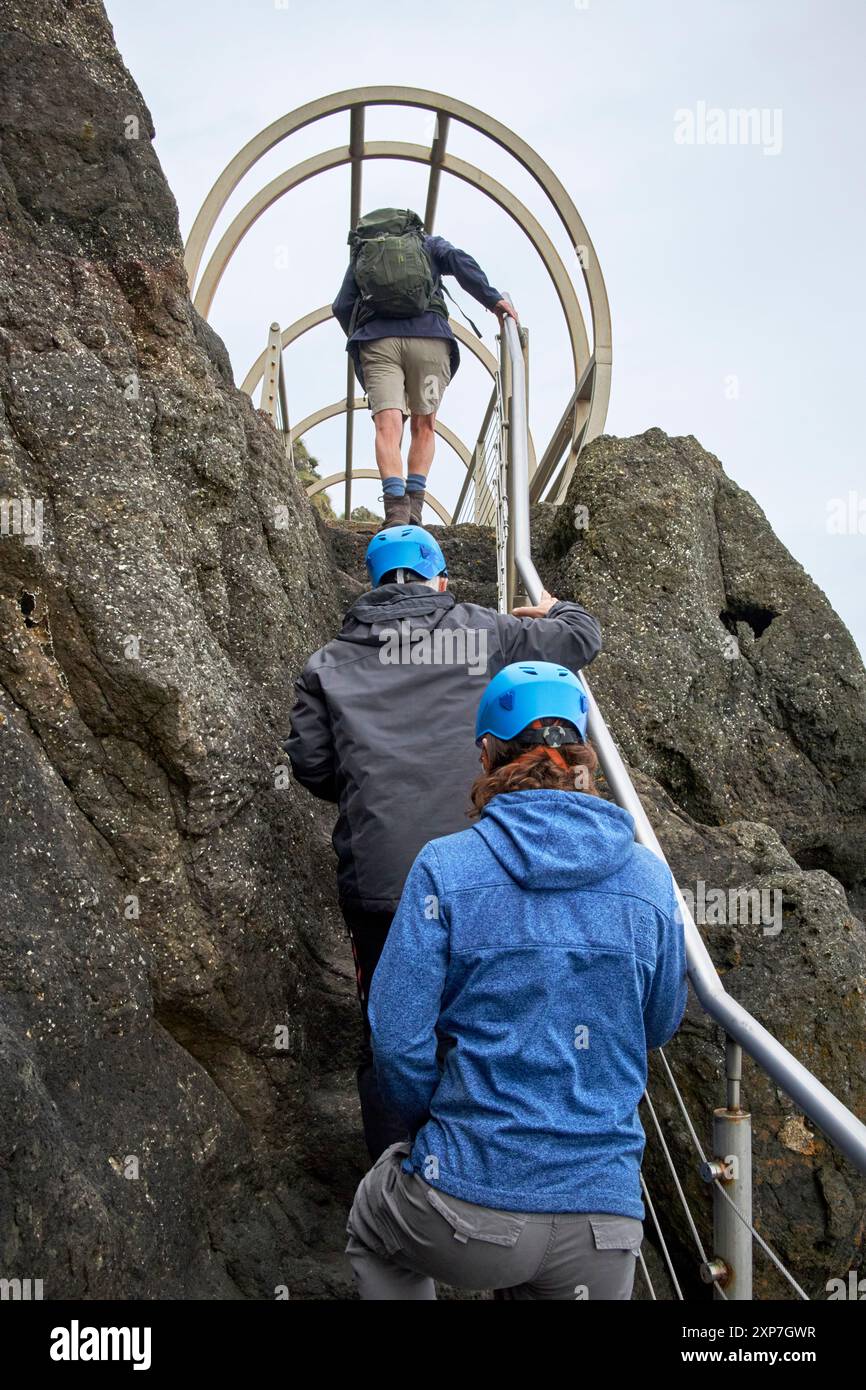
730, 1169
284, 411
356, 151
270, 380
532, 462
507, 375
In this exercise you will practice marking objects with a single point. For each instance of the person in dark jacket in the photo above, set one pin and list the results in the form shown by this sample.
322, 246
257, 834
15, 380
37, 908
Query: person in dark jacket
382, 726
404, 366
533, 961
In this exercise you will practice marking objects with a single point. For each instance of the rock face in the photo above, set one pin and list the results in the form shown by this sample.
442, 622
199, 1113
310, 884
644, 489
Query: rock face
161, 915
177, 1016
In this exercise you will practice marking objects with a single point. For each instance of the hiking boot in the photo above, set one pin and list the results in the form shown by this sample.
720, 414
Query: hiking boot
416, 507
396, 511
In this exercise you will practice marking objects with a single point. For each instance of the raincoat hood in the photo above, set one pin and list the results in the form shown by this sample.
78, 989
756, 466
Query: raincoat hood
416, 603
556, 839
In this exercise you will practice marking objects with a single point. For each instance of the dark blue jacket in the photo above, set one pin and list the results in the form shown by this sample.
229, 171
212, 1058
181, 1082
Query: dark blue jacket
543, 952
445, 260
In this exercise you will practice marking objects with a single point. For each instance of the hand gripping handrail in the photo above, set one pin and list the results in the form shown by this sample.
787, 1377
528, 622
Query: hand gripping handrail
814, 1099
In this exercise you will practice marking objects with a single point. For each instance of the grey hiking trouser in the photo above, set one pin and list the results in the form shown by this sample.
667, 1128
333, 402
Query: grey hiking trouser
403, 1234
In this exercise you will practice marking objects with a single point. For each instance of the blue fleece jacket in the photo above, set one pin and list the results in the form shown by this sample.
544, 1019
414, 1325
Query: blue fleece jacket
445, 259
541, 952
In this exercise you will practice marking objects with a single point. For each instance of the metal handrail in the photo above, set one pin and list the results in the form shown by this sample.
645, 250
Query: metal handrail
839, 1123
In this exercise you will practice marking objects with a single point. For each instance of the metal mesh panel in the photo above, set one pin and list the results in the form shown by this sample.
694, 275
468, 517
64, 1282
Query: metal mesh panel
480, 502
485, 500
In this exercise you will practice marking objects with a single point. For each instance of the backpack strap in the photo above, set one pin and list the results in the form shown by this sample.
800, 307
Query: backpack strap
445, 290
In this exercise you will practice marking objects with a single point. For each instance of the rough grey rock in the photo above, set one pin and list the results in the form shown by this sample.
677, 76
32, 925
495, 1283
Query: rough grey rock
162, 916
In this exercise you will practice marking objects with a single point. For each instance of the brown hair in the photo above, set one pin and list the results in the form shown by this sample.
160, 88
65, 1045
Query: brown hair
516, 768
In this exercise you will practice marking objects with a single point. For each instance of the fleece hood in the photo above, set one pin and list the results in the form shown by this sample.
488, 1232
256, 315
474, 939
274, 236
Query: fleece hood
553, 839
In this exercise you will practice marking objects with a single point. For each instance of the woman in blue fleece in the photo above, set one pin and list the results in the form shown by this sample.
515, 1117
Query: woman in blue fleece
533, 961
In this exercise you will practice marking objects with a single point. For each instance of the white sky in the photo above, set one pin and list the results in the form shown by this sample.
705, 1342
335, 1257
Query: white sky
720, 261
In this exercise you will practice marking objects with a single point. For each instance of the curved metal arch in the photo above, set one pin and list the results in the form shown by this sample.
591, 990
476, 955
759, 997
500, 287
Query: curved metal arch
351, 99
418, 154
321, 483
588, 406
316, 316
340, 407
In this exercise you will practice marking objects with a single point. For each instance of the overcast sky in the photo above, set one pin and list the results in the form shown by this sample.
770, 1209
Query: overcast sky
734, 271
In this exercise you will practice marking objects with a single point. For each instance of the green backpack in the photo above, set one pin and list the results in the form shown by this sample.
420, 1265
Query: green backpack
392, 269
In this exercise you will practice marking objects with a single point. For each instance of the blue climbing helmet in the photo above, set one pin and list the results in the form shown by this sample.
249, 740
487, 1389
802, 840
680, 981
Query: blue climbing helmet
527, 692
404, 547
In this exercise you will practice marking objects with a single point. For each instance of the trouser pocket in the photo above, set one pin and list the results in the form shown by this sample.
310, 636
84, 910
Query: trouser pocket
373, 1218
470, 1222
609, 1274
616, 1233
473, 1247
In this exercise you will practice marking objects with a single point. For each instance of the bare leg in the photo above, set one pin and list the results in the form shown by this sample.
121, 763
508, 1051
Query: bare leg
389, 435
422, 445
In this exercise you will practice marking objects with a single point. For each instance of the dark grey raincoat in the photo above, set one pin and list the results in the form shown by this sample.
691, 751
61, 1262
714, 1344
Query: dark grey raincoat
384, 721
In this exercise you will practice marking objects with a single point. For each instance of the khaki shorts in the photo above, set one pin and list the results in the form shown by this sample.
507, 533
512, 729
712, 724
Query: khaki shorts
407, 374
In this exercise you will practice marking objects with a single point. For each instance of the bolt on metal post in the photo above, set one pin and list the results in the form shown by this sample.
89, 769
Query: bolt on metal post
730, 1168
